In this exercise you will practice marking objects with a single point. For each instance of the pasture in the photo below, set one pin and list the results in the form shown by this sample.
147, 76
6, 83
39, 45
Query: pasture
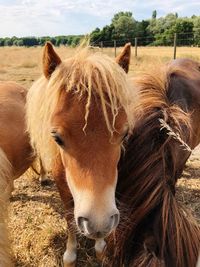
37, 224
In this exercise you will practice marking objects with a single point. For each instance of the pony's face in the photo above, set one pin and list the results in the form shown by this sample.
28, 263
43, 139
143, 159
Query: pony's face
90, 154
90, 160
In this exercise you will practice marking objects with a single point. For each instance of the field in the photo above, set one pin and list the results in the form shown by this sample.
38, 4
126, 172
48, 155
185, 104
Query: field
37, 225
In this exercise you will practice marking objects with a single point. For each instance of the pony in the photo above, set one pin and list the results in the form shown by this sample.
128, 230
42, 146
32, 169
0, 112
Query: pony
78, 114
15, 154
156, 230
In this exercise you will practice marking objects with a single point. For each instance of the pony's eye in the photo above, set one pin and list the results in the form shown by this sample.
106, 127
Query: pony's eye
57, 138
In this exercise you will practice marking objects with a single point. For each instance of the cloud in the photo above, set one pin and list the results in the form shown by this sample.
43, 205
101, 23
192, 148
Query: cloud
182, 7
50, 17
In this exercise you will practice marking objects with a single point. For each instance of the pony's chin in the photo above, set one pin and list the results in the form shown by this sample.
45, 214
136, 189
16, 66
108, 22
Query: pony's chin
97, 235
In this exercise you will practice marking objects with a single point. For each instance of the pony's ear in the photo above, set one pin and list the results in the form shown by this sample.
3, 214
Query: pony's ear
50, 60
123, 59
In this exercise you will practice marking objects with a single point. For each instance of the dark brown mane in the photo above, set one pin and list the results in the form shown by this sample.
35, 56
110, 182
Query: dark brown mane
155, 229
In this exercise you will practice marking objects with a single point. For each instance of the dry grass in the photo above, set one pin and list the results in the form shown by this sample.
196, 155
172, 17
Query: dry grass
155, 56
37, 224
23, 65
188, 191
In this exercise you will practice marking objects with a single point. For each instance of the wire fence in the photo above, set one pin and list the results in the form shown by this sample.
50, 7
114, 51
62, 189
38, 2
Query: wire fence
175, 40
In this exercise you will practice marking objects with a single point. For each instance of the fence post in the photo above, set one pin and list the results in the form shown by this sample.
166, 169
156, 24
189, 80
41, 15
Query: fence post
115, 46
135, 46
101, 46
175, 43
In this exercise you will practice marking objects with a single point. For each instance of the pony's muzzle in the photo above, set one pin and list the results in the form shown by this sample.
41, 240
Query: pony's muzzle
95, 231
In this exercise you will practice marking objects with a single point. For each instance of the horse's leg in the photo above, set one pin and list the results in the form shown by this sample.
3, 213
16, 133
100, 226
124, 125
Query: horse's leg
6, 187
58, 173
5, 251
100, 245
70, 255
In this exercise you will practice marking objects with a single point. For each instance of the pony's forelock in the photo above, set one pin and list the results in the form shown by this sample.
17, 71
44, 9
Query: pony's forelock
86, 73
90, 73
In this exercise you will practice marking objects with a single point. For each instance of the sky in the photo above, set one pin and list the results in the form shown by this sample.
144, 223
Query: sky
63, 17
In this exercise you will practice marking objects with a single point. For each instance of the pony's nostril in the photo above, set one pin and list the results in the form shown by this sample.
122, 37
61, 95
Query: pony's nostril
81, 221
91, 229
114, 220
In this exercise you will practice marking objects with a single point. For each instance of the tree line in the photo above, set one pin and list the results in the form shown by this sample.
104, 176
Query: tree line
154, 31
123, 28
70, 40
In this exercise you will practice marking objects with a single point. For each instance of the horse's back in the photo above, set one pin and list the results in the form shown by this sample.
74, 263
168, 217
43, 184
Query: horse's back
184, 81
14, 140
184, 91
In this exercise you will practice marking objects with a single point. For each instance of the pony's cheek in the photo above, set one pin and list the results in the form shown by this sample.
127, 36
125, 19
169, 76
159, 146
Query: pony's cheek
68, 175
63, 158
70, 183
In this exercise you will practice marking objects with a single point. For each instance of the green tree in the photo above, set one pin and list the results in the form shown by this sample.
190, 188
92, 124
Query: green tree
163, 29
70, 39
1, 41
145, 36
96, 36
75, 41
124, 26
184, 30
107, 33
196, 29
121, 14
30, 41
8, 42
154, 14
53, 40
18, 42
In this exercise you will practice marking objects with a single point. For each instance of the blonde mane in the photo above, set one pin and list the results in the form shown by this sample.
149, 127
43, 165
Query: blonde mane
86, 73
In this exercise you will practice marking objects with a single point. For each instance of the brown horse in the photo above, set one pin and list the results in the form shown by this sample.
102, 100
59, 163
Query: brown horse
156, 231
15, 153
77, 115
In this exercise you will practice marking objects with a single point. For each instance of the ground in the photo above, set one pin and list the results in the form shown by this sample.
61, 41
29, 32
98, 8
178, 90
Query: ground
37, 224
